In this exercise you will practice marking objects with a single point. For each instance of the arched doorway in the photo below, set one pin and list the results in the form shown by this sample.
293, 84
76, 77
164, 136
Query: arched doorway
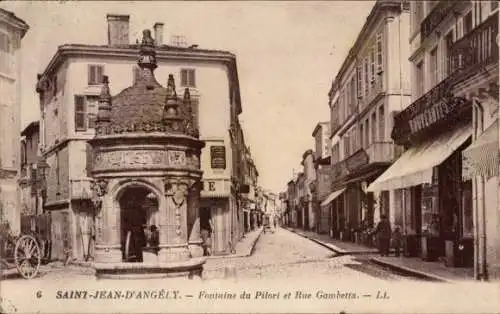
138, 208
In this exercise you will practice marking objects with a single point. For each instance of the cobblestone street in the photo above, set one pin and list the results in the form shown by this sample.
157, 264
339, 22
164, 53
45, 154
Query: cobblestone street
285, 255
281, 255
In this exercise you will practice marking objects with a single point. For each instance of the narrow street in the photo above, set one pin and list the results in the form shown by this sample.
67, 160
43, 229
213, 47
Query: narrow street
281, 255
286, 255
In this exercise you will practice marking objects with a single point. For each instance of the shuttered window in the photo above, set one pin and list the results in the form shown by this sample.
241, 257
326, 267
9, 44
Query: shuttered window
361, 134
80, 113
188, 78
95, 74
367, 132
380, 58
367, 76
372, 64
91, 106
381, 124
352, 101
359, 73
374, 127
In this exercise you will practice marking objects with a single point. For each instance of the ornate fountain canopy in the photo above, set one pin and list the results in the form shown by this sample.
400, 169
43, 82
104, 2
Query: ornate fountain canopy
146, 106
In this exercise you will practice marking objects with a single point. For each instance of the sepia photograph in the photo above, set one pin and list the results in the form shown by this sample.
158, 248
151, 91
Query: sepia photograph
249, 157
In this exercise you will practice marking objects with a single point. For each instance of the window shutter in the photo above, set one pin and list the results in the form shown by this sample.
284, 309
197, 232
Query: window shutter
183, 77
380, 67
372, 64
99, 75
359, 73
367, 75
80, 113
90, 75
191, 78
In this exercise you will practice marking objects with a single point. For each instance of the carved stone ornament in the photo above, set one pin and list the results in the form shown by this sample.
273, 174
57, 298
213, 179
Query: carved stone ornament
177, 158
135, 158
178, 190
99, 189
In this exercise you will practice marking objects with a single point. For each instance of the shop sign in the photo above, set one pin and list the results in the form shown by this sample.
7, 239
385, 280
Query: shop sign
218, 157
435, 113
215, 188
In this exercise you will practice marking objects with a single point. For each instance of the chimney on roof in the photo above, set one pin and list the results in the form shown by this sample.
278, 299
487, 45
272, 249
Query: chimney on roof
158, 31
118, 29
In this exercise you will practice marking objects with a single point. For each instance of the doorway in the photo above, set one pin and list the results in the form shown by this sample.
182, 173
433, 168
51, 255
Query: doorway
136, 206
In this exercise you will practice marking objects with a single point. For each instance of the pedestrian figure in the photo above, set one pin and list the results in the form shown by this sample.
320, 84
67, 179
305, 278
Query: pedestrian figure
383, 232
397, 239
154, 238
274, 223
206, 236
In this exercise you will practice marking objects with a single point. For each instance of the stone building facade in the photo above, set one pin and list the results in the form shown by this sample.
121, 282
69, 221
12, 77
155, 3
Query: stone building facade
30, 178
69, 88
449, 195
371, 86
12, 30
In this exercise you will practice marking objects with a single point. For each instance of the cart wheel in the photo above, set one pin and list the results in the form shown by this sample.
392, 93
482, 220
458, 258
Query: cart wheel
27, 256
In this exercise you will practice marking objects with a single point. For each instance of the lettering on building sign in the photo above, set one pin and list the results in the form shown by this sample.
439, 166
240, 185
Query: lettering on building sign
437, 112
429, 116
218, 157
208, 186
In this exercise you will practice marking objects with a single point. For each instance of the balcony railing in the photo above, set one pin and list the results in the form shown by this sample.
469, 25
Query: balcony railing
81, 189
435, 17
475, 50
381, 152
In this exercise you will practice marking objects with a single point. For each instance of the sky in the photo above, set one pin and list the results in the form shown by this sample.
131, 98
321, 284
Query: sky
287, 54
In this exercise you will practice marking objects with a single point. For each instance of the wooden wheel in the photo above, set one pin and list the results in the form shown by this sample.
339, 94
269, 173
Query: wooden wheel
27, 256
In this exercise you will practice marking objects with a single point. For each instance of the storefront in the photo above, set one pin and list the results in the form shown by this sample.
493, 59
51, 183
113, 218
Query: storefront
432, 202
216, 202
352, 207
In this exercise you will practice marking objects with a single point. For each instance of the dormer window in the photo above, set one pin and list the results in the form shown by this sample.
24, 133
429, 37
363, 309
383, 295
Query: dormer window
95, 74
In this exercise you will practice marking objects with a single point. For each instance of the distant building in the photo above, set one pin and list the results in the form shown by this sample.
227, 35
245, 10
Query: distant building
30, 178
69, 89
322, 141
12, 30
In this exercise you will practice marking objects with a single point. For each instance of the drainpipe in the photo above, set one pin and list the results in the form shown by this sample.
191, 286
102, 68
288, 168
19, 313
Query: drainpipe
475, 228
484, 267
482, 242
403, 193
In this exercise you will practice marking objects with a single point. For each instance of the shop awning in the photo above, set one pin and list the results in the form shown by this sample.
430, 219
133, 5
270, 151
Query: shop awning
332, 196
414, 167
481, 158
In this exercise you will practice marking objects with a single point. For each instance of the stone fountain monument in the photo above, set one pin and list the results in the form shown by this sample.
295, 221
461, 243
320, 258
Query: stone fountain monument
146, 171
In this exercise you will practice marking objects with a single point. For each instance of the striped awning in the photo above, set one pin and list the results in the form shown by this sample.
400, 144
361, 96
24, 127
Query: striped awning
414, 167
482, 158
332, 196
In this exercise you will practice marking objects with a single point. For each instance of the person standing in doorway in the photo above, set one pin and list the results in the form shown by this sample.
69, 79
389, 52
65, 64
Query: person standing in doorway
206, 236
383, 232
